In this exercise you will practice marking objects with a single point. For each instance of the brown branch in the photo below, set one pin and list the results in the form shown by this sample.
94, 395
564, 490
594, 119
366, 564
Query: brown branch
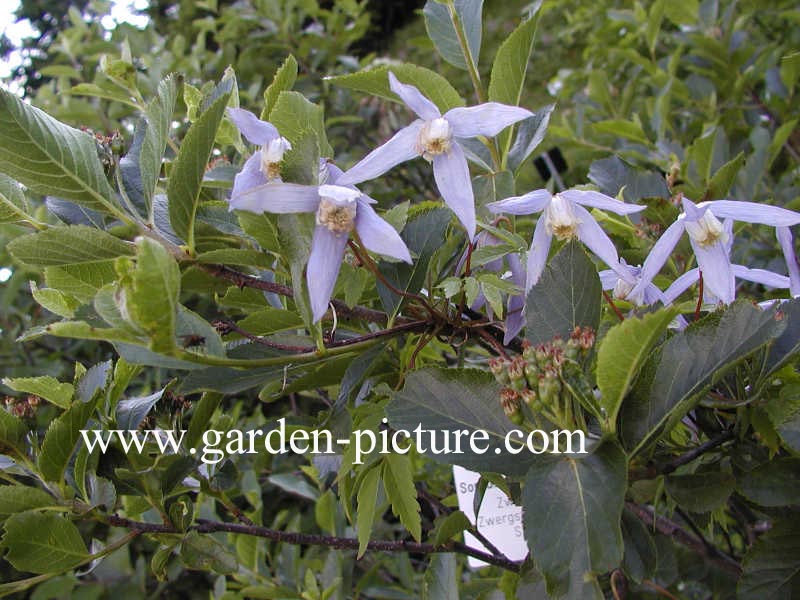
683, 537
312, 539
699, 296
613, 306
685, 459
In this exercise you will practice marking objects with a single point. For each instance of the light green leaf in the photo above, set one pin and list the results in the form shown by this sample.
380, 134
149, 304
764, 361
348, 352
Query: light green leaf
270, 320
186, 176
283, 81
294, 116
622, 353
450, 526
572, 515
723, 179
69, 245
43, 543
61, 438
235, 256
205, 553
158, 124
12, 433
631, 130
13, 205
376, 82
45, 387
446, 22
440, 581
398, 482
511, 64
566, 296
81, 281
19, 498
51, 158
367, 498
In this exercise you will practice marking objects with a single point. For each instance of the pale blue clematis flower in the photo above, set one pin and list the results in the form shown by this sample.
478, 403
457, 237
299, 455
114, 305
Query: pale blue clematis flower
434, 136
621, 281
711, 241
564, 216
340, 209
265, 164
784, 235
515, 304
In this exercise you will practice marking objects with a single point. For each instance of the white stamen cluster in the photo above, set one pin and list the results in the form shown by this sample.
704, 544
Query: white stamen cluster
337, 208
561, 220
435, 138
707, 230
272, 156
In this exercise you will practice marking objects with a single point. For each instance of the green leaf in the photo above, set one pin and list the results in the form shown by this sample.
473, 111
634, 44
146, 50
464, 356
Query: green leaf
151, 294
723, 179
235, 256
51, 158
511, 64
365, 515
294, 116
69, 245
398, 482
201, 416
530, 133
61, 438
440, 581
772, 565
283, 81
376, 82
631, 130
572, 514
158, 119
81, 281
687, 364
700, 492
132, 411
12, 434
787, 345
445, 22
46, 387
446, 400
295, 238
19, 498
566, 296
622, 353
54, 301
775, 483
640, 559
204, 553
423, 235
270, 320
450, 526
186, 175
13, 205
55, 546
301, 163
261, 228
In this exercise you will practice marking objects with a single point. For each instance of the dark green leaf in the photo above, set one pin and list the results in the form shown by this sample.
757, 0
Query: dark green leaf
640, 559
772, 566
367, 498
55, 546
530, 133
440, 581
61, 438
700, 492
775, 483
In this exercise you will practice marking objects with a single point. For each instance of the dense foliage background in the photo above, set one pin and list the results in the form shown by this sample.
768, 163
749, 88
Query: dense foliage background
137, 299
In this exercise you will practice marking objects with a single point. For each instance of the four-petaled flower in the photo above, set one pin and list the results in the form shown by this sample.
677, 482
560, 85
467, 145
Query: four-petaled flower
711, 240
564, 216
265, 164
434, 136
339, 209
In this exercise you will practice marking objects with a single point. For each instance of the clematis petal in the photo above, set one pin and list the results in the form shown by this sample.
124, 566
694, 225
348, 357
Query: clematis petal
414, 99
608, 279
752, 212
659, 255
278, 198
452, 178
377, 235
249, 177
400, 148
601, 201
715, 265
254, 129
693, 211
762, 276
527, 204
680, 285
593, 236
324, 262
784, 235
537, 256
487, 119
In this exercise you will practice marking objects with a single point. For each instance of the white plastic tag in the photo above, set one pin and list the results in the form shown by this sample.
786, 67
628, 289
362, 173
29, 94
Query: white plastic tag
499, 520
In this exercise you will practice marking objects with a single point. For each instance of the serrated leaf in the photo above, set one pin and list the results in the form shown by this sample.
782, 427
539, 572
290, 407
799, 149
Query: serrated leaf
49, 157
587, 494
13, 205
294, 116
566, 296
700, 492
56, 546
132, 411
54, 301
186, 175
443, 22
70, 245
283, 81
376, 82
686, 364
622, 353
81, 281
402, 493
60, 440
775, 483
367, 498
12, 434
45, 387
772, 565
19, 498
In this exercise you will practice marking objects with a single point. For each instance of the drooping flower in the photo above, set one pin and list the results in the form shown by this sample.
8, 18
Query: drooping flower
784, 235
515, 303
711, 240
340, 210
564, 216
434, 136
265, 164
623, 279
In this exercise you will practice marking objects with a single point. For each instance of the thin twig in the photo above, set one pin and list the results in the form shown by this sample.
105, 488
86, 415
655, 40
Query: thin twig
699, 295
694, 453
613, 306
